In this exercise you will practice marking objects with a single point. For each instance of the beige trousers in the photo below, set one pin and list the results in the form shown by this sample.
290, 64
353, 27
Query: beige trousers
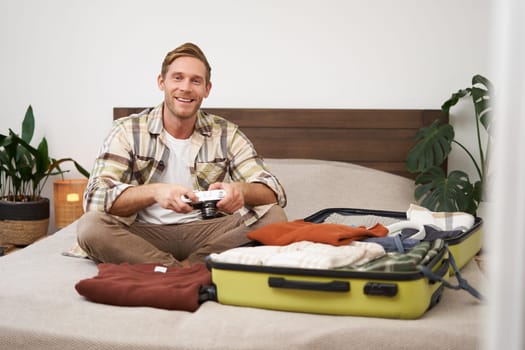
107, 240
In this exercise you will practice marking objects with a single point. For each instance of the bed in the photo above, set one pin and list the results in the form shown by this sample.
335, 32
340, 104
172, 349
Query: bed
324, 158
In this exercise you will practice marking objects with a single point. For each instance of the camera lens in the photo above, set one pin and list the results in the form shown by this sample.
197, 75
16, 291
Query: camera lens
209, 210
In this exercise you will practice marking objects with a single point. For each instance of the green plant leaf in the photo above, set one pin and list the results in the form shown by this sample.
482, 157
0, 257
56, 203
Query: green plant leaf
81, 169
439, 192
4, 140
454, 99
56, 165
42, 157
478, 191
28, 125
433, 145
481, 97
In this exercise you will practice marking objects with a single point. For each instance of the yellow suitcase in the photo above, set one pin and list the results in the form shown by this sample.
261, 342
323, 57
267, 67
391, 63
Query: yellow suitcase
405, 295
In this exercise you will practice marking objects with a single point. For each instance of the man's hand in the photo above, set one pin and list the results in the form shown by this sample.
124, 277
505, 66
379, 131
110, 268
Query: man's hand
169, 196
234, 198
240, 193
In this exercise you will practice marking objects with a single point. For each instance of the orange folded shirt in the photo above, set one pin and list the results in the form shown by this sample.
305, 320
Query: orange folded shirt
284, 233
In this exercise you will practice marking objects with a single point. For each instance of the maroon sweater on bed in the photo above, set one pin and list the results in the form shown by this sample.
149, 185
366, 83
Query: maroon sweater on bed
140, 285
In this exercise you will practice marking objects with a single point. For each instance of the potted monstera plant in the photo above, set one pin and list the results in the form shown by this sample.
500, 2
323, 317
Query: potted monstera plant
455, 190
24, 171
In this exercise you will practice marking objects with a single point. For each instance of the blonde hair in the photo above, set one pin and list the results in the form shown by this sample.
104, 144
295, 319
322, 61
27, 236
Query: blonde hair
187, 49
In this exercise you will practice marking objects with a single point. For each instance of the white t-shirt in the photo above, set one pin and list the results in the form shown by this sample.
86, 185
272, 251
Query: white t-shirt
177, 171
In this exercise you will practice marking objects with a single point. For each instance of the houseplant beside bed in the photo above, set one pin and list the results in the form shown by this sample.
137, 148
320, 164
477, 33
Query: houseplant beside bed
24, 171
453, 191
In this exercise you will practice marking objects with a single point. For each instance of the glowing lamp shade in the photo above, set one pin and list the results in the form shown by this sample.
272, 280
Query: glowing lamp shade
68, 200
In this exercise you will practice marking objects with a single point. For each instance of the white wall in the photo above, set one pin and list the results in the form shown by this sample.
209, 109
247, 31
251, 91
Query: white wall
75, 60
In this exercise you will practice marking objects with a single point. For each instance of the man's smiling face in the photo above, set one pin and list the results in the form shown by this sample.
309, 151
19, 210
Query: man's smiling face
184, 86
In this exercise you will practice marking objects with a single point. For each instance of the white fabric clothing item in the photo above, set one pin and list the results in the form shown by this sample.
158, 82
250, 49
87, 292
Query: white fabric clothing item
360, 220
246, 255
303, 254
398, 227
445, 221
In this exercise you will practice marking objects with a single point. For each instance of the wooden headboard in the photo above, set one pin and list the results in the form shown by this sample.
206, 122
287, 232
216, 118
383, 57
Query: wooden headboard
376, 138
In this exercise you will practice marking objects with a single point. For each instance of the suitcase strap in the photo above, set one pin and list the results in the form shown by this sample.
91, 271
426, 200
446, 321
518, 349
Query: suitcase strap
462, 283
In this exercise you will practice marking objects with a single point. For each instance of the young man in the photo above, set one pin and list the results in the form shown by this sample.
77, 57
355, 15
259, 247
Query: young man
151, 164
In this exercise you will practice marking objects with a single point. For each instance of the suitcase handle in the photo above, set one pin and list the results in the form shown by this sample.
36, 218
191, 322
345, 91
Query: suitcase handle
333, 286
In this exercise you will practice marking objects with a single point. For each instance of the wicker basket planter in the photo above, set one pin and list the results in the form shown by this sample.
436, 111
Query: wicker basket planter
22, 223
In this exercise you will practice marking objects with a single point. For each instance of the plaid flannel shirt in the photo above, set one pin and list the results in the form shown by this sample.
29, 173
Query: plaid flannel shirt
135, 153
420, 255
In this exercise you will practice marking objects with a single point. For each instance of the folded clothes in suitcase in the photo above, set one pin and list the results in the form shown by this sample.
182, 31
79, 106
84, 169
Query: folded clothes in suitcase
463, 246
377, 288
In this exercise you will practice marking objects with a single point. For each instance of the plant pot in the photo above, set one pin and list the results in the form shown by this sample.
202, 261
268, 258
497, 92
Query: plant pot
22, 223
